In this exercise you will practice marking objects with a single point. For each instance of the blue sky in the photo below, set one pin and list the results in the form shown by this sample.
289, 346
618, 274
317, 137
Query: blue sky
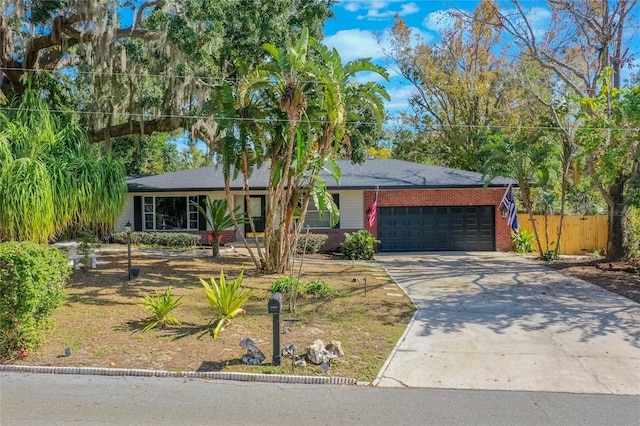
360, 29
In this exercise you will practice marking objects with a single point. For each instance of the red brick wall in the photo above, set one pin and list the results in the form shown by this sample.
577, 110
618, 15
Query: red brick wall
228, 236
442, 197
336, 237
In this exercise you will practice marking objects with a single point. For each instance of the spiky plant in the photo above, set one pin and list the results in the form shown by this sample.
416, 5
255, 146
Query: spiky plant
160, 305
226, 299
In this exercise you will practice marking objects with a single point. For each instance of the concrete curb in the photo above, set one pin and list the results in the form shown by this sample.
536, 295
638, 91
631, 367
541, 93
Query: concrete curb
401, 339
217, 375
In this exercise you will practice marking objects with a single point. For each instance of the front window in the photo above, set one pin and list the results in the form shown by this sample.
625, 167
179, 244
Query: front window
170, 213
316, 220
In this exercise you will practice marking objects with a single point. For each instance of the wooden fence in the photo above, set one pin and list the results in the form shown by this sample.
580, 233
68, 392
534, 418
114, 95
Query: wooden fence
580, 234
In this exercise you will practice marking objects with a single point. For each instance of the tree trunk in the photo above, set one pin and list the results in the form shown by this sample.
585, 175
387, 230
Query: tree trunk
215, 244
566, 158
526, 199
617, 213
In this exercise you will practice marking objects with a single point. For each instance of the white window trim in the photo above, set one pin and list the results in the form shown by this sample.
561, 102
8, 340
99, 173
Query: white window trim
153, 213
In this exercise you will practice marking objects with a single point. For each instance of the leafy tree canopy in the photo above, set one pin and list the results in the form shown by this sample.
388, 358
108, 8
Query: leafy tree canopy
141, 66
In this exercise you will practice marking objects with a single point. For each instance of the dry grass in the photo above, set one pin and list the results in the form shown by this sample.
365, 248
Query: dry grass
101, 322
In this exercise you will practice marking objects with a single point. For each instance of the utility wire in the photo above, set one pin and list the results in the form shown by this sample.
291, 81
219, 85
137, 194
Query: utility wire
148, 116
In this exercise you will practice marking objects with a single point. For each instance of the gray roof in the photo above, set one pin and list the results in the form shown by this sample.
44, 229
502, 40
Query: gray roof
387, 174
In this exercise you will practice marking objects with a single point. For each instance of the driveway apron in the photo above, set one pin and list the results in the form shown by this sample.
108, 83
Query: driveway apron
496, 321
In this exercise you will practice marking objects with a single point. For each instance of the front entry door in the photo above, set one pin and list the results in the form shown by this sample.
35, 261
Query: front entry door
257, 209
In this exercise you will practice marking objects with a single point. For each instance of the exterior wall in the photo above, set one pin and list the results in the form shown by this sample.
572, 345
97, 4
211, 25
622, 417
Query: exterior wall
336, 237
350, 210
354, 205
351, 218
443, 197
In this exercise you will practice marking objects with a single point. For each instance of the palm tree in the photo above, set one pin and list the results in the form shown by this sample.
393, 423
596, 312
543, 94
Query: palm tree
219, 217
51, 178
527, 161
294, 111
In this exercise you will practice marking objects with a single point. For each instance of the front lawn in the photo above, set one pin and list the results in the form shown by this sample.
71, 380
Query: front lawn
101, 321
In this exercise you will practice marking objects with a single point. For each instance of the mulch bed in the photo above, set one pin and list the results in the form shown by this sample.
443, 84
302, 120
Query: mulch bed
618, 277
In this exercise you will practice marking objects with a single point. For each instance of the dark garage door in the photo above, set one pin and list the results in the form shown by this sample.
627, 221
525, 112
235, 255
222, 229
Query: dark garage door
469, 228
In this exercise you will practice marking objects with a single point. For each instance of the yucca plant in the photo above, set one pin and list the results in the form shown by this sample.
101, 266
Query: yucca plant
226, 298
160, 305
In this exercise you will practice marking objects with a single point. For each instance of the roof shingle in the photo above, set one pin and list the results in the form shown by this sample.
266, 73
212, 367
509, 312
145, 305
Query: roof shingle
384, 173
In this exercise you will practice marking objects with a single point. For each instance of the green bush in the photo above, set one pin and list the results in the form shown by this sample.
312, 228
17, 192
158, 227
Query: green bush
633, 233
311, 243
32, 281
359, 245
522, 241
285, 284
319, 289
165, 239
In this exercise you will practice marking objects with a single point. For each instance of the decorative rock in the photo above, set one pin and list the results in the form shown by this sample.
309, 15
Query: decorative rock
335, 348
318, 353
254, 356
315, 352
299, 362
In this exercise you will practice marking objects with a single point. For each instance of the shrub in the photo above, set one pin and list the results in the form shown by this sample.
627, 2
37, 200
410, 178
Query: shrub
359, 245
285, 285
319, 289
160, 306
522, 241
311, 243
633, 233
85, 249
165, 239
32, 281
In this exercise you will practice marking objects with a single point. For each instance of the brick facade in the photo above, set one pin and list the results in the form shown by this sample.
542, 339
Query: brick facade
443, 197
412, 197
336, 237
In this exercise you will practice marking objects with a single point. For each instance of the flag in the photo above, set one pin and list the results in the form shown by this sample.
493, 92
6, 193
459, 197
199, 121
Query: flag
373, 210
509, 203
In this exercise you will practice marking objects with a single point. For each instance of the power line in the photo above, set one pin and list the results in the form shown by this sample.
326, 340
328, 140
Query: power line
147, 116
161, 76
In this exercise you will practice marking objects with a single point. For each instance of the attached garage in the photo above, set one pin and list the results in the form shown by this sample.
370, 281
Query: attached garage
441, 228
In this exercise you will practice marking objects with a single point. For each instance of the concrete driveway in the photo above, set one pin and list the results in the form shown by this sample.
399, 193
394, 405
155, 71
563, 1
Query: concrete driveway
496, 321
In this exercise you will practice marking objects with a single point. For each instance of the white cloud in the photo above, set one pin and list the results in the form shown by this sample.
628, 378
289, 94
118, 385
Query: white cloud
356, 43
439, 20
400, 97
352, 6
378, 10
365, 76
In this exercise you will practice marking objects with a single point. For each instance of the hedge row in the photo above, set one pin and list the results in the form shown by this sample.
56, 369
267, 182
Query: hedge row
165, 239
311, 243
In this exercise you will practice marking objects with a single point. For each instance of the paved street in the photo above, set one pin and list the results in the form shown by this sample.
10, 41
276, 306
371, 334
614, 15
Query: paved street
51, 399
496, 321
